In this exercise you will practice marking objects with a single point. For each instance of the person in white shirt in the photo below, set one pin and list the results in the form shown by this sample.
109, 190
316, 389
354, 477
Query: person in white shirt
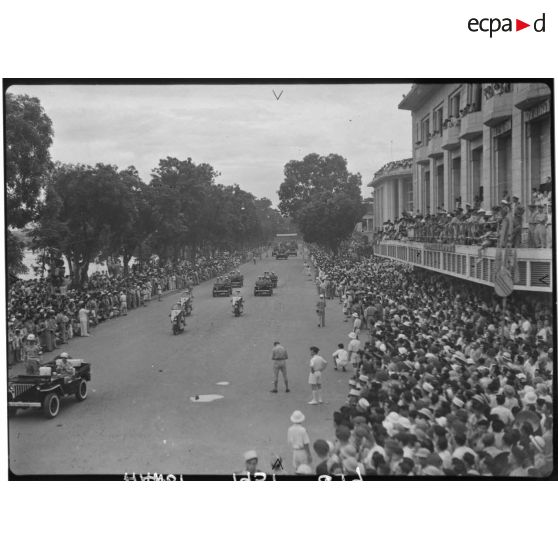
340, 358
298, 439
83, 315
317, 366
353, 348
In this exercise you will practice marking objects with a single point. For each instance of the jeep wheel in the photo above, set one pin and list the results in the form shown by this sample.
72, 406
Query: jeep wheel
12, 411
81, 392
51, 405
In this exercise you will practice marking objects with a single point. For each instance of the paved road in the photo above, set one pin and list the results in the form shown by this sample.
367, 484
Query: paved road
140, 419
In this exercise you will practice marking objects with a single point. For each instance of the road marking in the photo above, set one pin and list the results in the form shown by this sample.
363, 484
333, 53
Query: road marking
205, 398
222, 383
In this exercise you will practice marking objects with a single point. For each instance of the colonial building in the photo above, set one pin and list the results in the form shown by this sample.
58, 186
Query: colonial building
393, 191
477, 144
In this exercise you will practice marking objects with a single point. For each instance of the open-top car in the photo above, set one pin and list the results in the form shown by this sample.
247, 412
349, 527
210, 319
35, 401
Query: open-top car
222, 287
281, 255
237, 280
263, 286
46, 389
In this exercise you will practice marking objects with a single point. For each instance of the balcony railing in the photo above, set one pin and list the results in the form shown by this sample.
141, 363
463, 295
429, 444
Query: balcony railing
498, 108
533, 271
421, 154
435, 145
450, 134
528, 95
471, 125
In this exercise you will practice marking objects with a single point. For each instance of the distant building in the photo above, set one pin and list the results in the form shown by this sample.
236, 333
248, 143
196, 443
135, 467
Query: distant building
393, 191
366, 225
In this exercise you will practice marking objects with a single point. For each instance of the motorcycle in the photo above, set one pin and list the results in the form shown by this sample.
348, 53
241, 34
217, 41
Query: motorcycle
177, 319
237, 309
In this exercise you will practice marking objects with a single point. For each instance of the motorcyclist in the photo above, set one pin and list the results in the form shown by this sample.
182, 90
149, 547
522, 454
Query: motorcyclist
186, 300
237, 299
178, 314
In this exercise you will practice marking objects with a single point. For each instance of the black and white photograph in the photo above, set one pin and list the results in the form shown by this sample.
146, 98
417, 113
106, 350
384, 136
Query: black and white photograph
290, 279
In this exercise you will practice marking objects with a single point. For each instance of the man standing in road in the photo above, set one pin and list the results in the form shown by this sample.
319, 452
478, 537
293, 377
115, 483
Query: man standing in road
317, 366
279, 357
320, 311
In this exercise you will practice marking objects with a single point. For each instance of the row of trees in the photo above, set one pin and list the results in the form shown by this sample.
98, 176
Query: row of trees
87, 213
322, 198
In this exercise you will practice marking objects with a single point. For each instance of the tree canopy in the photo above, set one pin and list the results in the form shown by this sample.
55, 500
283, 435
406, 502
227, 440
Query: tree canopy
323, 198
28, 139
101, 212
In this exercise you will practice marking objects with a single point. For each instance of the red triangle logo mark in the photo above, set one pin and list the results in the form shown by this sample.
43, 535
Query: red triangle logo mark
519, 25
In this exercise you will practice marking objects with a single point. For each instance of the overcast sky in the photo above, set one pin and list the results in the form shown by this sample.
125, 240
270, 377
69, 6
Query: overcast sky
241, 130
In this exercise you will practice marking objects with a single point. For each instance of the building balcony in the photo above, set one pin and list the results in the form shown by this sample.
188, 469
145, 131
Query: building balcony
528, 95
421, 154
450, 136
435, 146
497, 109
471, 125
533, 272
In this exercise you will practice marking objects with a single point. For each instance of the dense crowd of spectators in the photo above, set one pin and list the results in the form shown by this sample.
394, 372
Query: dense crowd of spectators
55, 315
443, 378
502, 226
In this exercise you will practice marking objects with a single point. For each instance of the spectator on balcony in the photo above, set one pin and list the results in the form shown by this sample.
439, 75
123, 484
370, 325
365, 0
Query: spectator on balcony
518, 212
505, 224
532, 225
540, 219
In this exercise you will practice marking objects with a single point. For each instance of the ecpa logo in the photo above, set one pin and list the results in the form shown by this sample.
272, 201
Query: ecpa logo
492, 25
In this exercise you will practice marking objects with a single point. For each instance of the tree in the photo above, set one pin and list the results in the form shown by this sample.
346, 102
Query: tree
179, 190
323, 198
28, 139
88, 211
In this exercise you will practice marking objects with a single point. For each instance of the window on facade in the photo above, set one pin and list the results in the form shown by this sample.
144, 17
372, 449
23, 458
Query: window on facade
540, 154
456, 179
474, 97
425, 130
438, 120
454, 105
426, 190
440, 187
503, 166
476, 173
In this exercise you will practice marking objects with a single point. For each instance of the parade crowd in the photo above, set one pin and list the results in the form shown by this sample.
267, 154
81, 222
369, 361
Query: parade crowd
442, 379
54, 315
500, 226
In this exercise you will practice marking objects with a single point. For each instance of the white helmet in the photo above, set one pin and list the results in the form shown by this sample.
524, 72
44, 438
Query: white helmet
64, 355
30, 337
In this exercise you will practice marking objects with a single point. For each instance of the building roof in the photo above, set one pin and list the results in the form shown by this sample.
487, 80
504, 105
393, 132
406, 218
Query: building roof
402, 167
418, 94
